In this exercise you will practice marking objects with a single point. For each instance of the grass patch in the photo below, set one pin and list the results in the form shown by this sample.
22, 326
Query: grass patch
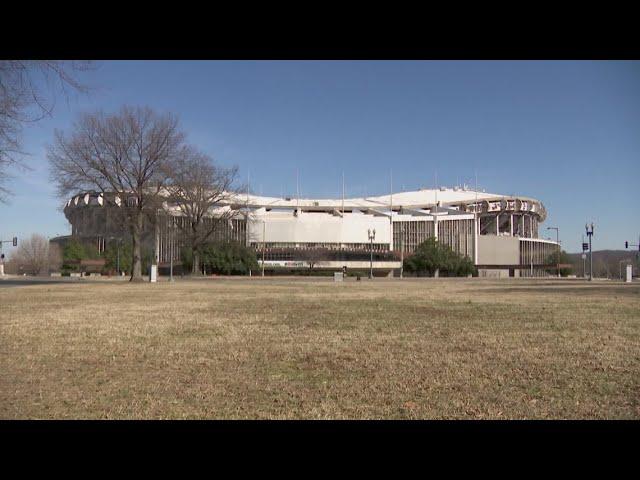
281, 348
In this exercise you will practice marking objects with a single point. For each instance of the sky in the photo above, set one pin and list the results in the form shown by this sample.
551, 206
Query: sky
564, 132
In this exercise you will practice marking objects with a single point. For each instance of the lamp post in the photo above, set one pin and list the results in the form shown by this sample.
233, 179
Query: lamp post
590, 234
558, 243
584, 260
372, 236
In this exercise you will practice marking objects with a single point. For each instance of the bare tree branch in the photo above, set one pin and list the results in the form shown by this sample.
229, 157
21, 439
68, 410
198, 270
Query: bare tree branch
196, 186
27, 94
32, 256
125, 156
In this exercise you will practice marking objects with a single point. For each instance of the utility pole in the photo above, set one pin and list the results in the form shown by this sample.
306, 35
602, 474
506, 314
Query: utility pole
558, 243
372, 236
590, 234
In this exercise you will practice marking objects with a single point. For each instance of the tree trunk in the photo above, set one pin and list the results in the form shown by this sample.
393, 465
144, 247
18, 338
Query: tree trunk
136, 270
195, 270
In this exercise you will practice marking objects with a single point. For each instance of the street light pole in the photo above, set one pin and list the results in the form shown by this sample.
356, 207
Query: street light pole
584, 261
372, 236
558, 243
590, 234
263, 237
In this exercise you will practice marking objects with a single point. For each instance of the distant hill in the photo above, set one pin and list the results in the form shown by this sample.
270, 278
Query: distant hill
606, 263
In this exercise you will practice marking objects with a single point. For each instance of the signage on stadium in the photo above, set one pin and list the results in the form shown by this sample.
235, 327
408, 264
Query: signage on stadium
281, 263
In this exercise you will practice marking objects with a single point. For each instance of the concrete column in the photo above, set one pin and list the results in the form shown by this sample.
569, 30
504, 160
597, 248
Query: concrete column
511, 224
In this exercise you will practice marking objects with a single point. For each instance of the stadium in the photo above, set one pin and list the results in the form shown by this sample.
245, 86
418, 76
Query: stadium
499, 232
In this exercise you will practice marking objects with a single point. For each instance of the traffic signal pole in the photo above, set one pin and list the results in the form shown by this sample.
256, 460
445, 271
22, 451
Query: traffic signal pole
627, 245
13, 241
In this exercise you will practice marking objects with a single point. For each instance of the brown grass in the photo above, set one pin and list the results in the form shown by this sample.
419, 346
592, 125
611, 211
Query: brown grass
316, 349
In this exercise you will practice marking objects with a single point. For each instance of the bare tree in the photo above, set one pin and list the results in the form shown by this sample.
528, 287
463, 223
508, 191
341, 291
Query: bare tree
55, 257
32, 256
196, 187
125, 156
27, 94
314, 256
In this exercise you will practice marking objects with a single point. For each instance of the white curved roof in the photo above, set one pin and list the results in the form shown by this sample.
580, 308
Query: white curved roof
419, 198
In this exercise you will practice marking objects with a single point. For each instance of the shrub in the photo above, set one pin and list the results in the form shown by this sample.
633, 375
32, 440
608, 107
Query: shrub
225, 258
432, 255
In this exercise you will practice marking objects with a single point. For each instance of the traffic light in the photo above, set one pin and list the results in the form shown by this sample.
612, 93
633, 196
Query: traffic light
15, 241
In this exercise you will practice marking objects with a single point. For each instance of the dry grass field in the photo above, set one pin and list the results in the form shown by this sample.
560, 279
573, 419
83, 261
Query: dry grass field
278, 348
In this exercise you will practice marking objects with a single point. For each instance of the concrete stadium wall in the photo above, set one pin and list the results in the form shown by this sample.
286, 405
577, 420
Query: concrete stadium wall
494, 250
317, 228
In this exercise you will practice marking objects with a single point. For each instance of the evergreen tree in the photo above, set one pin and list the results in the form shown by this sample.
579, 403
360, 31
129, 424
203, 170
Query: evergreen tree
431, 256
126, 256
229, 258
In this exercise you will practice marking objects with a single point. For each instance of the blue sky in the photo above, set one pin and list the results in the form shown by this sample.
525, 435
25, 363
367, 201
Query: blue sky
567, 133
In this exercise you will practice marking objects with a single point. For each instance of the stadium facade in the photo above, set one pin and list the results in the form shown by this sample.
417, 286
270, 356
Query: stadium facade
499, 232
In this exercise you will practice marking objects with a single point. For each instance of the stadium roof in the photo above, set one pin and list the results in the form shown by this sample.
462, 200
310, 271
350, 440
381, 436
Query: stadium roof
419, 199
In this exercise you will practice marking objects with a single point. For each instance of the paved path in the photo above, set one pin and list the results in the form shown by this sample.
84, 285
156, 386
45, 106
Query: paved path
25, 281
